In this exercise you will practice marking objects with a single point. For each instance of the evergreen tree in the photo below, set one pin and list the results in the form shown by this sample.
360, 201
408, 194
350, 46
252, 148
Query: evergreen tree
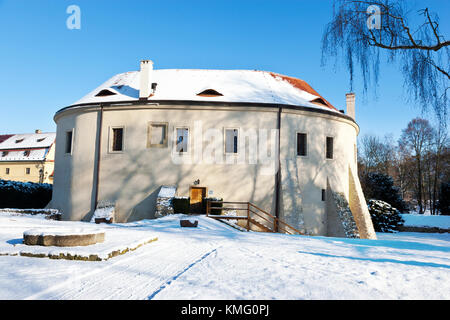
381, 187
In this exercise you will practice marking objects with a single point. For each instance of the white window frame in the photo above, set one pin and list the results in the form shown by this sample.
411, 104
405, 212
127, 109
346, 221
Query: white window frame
225, 141
325, 147
175, 135
111, 139
307, 144
71, 142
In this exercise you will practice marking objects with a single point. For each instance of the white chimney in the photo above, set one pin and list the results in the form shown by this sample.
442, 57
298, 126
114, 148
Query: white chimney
350, 101
145, 87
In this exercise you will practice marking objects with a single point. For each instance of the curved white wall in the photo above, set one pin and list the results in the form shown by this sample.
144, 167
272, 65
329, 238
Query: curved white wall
132, 178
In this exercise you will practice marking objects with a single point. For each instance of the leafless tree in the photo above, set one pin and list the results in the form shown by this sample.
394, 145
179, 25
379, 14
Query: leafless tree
440, 145
375, 154
417, 137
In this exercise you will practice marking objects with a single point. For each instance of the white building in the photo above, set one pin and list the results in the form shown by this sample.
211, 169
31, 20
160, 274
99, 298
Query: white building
240, 135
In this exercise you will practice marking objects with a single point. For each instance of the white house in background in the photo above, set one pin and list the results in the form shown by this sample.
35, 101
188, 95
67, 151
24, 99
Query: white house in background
27, 157
241, 135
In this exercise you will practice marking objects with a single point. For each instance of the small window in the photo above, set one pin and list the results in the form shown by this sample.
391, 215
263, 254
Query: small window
301, 144
69, 137
319, 101
26, 153
5, 153
182, 139
20, 140
40, 139
329, 148
104, 93
117, 139
157, 135
7, 171
209, 93
27, 170
231, 140
323, 195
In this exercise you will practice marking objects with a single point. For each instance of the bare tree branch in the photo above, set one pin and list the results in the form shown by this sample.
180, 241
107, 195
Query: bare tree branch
421, 51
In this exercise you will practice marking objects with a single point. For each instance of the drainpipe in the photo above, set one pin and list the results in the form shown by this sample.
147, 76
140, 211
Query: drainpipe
278, 175
98, 156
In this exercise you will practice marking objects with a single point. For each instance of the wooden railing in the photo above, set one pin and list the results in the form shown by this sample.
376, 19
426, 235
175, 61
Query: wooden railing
254, 216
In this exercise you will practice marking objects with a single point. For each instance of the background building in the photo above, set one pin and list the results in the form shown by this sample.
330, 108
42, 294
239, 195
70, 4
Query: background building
27, 157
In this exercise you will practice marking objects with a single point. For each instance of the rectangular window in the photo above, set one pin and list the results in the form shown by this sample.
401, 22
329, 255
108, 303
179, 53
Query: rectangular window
231, 140
182, 139
117, 139
329, 148
301, 144
69, 142
323, 194
27, 170
157, 135
7, 171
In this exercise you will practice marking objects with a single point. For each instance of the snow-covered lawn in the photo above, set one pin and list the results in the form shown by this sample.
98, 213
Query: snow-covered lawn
215, 261
117, 240
422, 220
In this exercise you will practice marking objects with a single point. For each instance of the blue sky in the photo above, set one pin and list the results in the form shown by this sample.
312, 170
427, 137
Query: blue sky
45, 66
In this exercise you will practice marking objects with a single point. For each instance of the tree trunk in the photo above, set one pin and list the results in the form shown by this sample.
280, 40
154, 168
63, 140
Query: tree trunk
436, 177
420, 183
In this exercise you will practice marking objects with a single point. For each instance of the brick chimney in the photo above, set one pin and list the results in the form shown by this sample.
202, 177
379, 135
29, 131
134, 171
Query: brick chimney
37, 131
350, 101
145, 87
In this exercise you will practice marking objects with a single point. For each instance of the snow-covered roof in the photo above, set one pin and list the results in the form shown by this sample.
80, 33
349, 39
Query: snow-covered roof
29, 140
23, 155
3, 137
248, 86
26, 147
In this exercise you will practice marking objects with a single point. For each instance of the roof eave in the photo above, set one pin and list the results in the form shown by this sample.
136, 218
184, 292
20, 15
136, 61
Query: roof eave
205, 103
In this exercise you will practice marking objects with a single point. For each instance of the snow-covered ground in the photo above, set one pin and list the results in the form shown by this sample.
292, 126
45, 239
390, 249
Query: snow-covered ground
215, 261
422, 220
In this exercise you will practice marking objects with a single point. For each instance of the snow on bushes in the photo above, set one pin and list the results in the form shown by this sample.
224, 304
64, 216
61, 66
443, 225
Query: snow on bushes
24, 195
104, 212
385, 218
380, 186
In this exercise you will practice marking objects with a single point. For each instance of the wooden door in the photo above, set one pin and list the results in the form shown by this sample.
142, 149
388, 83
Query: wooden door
197, 194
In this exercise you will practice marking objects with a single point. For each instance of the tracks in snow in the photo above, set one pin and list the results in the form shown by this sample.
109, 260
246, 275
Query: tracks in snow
179, 274
135, 276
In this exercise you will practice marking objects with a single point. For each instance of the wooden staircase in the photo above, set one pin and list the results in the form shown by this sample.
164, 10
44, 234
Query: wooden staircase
253, 216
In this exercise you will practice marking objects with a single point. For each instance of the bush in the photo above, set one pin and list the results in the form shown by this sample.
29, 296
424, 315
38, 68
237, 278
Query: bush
385, 218
181, 205
24, 195
381, 186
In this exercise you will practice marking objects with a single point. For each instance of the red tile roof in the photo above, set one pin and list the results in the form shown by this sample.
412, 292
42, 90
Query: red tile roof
302, 85
3, 137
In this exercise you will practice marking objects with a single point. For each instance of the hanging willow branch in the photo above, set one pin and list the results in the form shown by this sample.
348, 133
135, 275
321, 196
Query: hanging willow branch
411, 38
